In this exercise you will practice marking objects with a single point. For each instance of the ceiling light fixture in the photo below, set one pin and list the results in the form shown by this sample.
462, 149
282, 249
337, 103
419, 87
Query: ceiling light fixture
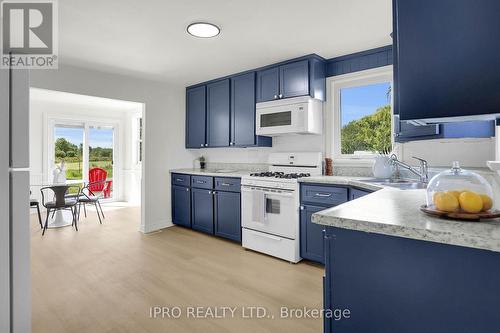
203, 30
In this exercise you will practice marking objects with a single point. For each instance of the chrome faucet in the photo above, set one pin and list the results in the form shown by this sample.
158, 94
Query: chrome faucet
423, 173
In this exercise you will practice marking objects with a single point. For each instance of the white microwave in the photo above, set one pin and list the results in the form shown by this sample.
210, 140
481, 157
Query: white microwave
298, 115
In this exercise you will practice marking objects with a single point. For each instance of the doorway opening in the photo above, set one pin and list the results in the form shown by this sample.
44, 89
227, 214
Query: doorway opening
80, 140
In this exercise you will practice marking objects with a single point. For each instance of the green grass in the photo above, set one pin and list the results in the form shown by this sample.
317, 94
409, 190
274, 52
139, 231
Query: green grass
74, 169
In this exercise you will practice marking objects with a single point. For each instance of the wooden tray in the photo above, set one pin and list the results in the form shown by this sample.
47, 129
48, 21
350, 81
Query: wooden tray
461, 215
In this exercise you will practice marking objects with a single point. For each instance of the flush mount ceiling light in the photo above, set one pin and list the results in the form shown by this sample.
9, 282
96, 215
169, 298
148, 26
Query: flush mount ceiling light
203, 29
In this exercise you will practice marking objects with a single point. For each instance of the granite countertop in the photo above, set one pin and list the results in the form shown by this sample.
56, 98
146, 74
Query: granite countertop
342, 180
213, 173
397, 212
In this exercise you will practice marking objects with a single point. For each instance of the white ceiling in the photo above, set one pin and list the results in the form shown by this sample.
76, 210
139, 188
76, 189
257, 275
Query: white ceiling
148, 39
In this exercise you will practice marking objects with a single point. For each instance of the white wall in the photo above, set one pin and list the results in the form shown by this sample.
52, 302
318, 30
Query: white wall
292, 143
164, 127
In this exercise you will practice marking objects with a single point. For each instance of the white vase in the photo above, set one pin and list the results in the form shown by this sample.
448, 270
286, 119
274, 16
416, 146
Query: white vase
382, 167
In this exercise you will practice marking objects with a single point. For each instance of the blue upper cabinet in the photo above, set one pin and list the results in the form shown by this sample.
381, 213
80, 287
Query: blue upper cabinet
218, 114
268, 84
294, 79
195, 117
446, 58
243, 113
291, 79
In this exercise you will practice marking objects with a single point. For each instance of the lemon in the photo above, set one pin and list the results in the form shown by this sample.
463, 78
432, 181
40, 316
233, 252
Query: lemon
487, 202
456, 194
446, 202
470, 202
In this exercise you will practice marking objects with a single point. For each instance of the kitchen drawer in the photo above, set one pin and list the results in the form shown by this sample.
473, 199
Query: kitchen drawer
181, 180
323, 195
227, 184
202, 182
276, 246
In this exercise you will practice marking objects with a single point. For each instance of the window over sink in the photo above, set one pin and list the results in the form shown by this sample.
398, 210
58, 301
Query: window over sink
361, 109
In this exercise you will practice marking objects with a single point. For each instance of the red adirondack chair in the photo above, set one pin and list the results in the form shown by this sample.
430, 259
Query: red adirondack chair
99, 175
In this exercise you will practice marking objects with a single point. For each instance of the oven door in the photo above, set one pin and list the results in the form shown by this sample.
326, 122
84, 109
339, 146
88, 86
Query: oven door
280, 120
270, 211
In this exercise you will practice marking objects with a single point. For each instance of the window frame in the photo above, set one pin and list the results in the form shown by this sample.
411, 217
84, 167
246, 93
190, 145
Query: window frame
333, 123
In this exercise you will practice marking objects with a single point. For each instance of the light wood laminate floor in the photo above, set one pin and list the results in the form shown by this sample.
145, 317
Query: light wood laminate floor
105, 278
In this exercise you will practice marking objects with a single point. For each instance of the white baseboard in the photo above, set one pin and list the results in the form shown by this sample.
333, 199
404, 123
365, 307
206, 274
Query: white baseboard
155, 226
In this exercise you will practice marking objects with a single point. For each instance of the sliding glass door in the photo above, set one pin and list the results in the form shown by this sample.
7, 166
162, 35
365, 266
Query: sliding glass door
68, 147
101, 144
88, 151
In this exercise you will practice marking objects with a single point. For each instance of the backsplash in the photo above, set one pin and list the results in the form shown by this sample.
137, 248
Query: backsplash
237, 166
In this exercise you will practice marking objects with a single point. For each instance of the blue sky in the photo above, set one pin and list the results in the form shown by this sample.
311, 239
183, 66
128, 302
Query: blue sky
98, 137
357, 102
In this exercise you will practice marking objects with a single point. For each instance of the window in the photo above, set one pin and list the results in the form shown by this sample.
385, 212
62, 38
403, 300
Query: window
362, 114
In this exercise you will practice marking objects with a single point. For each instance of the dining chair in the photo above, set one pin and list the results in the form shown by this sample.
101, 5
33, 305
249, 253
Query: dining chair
35, 204
59, 201
90, 196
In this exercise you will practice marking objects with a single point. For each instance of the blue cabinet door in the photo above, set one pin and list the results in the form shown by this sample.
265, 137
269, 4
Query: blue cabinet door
195, 117
356, 193
181, 205
243, 113
218, 114
446, 58
311, 235
243, 110
268, 84
202, 210
294, 79
228, 215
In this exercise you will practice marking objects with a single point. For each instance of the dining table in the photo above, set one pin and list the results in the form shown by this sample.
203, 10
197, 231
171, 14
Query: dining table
61, 218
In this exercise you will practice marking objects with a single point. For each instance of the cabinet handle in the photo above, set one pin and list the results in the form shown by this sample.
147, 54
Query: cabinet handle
209, 192
200, 182
214, 193
275, 96
280, 96
302, 207
225, 184
202, 145
206, 144
187, 189
179, 179
323, 195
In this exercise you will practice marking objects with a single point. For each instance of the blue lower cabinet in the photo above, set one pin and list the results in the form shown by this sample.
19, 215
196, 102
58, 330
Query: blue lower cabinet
228, 215
311, 235
181, 205
395, 284
202, 210
356, 193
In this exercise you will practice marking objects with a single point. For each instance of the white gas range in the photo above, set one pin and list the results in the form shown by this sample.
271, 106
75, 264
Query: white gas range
270, 204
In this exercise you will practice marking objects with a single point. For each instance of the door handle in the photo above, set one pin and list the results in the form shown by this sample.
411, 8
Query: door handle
268, 236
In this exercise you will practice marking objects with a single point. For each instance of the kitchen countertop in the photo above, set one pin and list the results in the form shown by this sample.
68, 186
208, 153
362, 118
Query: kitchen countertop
342, 180
213, 173
397, 212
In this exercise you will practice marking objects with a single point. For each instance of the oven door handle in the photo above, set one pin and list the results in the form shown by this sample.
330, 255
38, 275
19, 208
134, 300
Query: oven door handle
263, 235
281, 194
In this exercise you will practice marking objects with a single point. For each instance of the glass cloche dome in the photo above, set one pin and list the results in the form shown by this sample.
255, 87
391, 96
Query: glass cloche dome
458, 190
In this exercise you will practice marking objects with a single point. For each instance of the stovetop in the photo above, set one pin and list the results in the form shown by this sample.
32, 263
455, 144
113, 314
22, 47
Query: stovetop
279, 174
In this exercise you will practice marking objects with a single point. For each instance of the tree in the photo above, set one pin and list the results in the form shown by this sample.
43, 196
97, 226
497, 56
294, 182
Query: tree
369, 133
64, 145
